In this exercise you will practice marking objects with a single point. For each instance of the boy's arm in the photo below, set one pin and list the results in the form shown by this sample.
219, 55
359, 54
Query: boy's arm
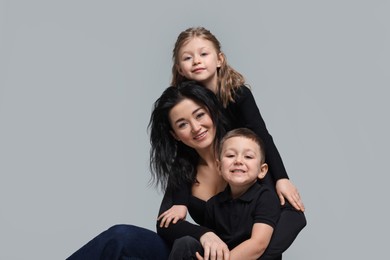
266, 215
255, 246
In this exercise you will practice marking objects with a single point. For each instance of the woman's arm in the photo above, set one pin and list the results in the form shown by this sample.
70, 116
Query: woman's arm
178, 211
181, 228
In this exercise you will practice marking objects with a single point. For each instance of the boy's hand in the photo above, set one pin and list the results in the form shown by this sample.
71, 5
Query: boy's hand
173, 215
285, 189
214, 248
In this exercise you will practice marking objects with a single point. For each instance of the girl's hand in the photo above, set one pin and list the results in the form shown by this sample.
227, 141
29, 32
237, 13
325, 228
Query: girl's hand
214, 248
285, 189
173, 215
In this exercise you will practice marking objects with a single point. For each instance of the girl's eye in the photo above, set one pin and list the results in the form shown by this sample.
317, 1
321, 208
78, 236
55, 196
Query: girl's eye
186, 58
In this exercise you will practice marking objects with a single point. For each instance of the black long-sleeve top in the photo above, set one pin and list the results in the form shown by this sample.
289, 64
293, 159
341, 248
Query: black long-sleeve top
241, 113
244, 112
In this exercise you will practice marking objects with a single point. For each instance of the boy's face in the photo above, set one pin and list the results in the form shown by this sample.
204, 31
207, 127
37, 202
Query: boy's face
240, 162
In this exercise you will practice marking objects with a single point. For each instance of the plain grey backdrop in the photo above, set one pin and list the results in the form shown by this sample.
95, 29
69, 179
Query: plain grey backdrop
77, 83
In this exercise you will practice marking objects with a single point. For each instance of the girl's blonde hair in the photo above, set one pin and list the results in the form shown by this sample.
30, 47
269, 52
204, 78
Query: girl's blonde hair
228, 78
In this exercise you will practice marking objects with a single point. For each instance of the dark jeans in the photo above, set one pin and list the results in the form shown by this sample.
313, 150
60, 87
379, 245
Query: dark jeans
123, 242
185, 248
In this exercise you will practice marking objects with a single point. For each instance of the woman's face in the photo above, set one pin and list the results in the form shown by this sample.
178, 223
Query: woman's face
192, 124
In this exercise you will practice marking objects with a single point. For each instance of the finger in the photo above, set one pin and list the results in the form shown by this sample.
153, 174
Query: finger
161, 216
281, 198
295, 203
300, 204
168, 221
206, 254
162, 222
213, 254
198, 256
219, 255
226, 254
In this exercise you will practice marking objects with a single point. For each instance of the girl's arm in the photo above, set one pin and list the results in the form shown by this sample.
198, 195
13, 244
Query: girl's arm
248, 115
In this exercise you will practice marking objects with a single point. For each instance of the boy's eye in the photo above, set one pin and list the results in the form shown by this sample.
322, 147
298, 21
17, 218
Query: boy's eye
203, 53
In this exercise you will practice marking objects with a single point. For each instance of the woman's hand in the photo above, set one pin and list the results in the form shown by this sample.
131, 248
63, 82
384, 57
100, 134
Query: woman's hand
285, 189
173, 215
214, 248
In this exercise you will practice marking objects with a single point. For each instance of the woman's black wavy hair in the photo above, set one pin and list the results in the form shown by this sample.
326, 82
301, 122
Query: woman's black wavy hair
173, 163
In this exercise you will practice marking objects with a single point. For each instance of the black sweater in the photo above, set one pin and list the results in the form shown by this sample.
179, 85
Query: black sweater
241, 113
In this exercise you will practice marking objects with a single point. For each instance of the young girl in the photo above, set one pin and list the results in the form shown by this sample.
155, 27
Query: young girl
197, 56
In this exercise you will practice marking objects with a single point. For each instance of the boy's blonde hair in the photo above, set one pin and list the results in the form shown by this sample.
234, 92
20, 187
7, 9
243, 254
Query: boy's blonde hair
228, 78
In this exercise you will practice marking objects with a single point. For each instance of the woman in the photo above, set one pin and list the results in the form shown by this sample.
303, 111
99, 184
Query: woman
182, 152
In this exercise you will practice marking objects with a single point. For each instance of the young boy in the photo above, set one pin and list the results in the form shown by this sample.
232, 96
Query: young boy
246, 212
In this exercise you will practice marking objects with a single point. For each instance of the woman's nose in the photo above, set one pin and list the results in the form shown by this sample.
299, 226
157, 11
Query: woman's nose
195, 127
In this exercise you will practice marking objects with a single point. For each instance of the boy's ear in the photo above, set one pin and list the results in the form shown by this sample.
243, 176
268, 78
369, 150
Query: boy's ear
219, 167
263, 171
174, 135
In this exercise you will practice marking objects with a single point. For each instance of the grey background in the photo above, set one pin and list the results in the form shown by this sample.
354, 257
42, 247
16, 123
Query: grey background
78, 79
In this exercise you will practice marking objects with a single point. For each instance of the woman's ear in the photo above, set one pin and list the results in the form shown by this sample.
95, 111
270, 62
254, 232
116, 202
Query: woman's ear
174, 135
263, 171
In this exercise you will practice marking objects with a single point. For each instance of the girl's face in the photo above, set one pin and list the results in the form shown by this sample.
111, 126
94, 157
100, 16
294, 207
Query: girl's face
192, 124
198, 60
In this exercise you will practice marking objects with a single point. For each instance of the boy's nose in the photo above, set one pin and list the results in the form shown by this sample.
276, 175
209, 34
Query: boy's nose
238, 160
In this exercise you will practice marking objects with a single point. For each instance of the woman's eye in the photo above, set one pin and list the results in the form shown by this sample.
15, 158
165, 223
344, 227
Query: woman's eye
181, 125
200, 115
